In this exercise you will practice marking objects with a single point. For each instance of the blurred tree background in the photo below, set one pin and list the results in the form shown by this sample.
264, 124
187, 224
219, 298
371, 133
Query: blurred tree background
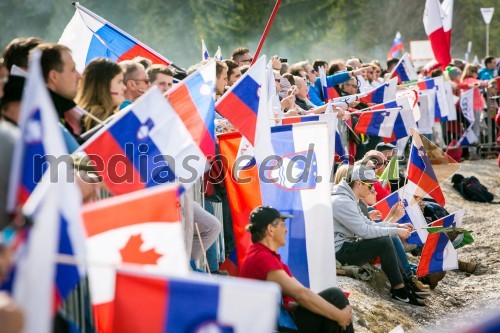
303, 29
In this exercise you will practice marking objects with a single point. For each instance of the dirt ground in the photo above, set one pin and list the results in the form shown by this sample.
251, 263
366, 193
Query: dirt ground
460, 299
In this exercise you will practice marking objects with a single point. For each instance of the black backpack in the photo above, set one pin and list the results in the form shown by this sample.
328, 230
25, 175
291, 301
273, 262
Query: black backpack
471, 189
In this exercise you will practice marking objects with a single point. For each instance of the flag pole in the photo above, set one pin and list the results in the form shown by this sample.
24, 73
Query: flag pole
266, 31
202, 248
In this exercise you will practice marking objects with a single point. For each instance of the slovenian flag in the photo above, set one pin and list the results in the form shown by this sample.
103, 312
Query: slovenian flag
397, 46
41, 143
421, 177
439, 254
146, 303
245, 105
404, 70
142, 229
193, 101
204, 52
381, 94
89, 36
145, 146
391, 120
468, 138
297, 182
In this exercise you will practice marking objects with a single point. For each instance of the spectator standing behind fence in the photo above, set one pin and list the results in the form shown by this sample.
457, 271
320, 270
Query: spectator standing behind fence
469, 76
101, 90
487, 72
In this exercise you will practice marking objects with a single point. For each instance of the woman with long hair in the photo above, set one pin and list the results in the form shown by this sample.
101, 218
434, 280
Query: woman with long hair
100, 91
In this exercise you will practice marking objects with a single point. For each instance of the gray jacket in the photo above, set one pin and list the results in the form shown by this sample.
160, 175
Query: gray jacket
349, 223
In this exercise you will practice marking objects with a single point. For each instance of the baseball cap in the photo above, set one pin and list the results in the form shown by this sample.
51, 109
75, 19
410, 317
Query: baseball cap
262, 216
382, 146
363, 173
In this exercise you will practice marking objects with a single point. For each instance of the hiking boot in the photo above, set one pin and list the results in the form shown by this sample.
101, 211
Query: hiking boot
414, 287
419, 284
468, 267
433, 279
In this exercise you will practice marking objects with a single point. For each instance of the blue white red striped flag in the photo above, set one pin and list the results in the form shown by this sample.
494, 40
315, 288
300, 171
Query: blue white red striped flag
89, 36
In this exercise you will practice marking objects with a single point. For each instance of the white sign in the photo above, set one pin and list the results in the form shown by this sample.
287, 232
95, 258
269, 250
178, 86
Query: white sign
487, 14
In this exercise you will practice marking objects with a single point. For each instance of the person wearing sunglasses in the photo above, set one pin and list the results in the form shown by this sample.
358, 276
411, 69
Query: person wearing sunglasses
358, 240
242, 56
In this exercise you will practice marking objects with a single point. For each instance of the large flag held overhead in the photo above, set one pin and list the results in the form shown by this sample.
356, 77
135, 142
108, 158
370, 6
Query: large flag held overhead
158, 304
143, 229
434, 29
404, 70
391, 120
89, 36
298, 184
447, 18
145, 146
41, 144
439, 253
397, 46
193, 101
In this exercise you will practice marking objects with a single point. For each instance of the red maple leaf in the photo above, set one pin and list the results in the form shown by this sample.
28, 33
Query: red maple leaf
132, 253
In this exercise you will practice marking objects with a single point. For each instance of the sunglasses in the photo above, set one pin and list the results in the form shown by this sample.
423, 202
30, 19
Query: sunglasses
369, 185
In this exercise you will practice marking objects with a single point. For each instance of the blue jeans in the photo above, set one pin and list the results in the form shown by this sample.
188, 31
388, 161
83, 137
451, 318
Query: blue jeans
408, 269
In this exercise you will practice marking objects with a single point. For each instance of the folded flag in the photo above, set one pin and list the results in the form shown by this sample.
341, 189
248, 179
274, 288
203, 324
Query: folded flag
404, 70
145, 146
193, 101
41, 146
391, 120
468, 138
397, 46
157, 304
204, 52
297, 183
89, 36
143, 229
439, 253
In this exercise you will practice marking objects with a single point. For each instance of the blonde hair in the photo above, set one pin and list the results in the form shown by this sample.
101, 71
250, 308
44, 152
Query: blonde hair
469, 70
341, 173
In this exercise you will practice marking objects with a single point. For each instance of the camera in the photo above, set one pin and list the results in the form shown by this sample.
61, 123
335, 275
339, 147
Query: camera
283, 60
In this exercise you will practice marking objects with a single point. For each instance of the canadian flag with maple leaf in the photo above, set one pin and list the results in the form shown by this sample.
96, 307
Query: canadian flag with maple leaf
141, 230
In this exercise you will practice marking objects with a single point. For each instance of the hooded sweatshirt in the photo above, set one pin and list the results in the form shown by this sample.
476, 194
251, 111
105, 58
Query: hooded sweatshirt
349, 223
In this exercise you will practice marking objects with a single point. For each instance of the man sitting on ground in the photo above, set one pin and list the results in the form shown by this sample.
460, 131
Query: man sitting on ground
327, 312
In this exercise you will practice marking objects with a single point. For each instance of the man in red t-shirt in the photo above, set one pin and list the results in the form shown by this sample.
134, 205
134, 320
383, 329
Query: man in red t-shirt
328, 311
